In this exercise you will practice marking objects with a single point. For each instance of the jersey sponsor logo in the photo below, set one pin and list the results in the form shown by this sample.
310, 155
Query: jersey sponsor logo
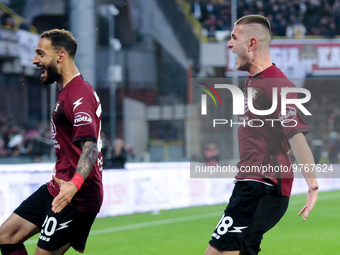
291, 114
82, 118
77, 103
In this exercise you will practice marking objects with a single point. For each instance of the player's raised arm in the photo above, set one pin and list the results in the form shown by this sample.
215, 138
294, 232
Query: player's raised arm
85, 164
304, 156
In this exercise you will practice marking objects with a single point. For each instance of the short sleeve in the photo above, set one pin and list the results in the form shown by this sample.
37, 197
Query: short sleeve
81, 112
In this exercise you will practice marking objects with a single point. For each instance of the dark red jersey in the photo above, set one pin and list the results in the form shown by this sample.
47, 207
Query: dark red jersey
263, 144
77, 117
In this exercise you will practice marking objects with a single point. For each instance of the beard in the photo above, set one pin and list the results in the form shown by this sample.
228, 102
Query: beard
52, 74
244, 64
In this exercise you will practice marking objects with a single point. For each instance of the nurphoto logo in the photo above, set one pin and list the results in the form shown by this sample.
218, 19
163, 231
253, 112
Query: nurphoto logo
243, 102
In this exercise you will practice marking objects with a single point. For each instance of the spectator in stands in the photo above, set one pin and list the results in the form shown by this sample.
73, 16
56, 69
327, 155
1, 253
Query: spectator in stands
299, 30
211, 31
130, 154
5, 134
41, 145
211, 155
198, 10
3, 150
210, 25
118, 157
215, 8
9, 23
290, 31
25, 24
1, 18
16, 141
333, 147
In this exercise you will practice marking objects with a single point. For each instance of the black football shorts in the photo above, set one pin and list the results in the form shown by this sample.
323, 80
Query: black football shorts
57, 229
253, 209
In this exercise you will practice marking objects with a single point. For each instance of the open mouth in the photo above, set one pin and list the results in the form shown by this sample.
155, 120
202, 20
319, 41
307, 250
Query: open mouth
236, 56
43, 71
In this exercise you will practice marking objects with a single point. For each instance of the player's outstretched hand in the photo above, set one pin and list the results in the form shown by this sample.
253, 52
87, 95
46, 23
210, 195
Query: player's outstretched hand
312, 196
67, 191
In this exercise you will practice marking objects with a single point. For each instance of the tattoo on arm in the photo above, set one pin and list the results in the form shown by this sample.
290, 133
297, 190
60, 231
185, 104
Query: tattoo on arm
87, 158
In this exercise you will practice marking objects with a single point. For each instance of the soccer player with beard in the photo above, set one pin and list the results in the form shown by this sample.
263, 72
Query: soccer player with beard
260, 198
63, 209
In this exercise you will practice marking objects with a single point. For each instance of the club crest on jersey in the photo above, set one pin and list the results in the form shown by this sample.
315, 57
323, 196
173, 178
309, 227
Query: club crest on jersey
56, 107
255, 94
81, 119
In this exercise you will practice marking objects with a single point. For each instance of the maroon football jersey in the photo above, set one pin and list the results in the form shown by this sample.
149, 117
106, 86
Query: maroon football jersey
263, 145
77, 117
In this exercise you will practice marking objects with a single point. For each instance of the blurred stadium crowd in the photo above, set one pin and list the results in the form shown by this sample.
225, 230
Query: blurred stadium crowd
10, 20
29, 143
296, 18
7, 21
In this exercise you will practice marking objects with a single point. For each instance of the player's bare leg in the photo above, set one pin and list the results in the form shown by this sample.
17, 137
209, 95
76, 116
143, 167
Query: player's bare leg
14, 232
60, 251
213, 251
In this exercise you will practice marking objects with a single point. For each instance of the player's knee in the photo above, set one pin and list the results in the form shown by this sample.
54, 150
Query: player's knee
4, 237
7, 236
211, 251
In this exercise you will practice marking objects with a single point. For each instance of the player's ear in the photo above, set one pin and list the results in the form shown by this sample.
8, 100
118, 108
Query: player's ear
252, 44
61, 56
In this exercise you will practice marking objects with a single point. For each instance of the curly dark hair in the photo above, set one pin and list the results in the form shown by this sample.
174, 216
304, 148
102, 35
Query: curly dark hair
61, 39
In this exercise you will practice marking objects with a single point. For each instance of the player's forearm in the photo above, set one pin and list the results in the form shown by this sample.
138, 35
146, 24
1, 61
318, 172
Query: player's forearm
304, 157
87, 158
